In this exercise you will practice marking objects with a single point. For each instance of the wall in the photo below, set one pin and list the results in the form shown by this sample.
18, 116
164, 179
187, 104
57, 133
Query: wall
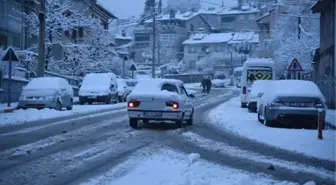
188, 78
243, 21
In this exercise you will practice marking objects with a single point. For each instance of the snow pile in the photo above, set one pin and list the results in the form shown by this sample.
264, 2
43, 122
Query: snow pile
193, 157
21, 116
258, 62
45, 83
168, 167
310, 183
231, 117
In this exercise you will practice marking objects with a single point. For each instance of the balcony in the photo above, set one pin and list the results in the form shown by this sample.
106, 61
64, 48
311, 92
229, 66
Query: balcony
11, 23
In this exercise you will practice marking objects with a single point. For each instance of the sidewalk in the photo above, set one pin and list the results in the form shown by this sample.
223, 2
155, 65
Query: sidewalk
331, 118
4, 108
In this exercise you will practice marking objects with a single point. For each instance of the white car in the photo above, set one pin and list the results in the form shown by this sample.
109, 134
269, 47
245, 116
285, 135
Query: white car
160, 100
123, 90
257, 91
291, 103
47, 92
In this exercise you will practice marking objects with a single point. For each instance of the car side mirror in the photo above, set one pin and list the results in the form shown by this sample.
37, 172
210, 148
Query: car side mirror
191, 96
260, 94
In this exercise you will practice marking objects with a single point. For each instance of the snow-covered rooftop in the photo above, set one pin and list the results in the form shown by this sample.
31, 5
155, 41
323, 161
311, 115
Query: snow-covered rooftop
202, 38
229, 37
259, 62
218, 11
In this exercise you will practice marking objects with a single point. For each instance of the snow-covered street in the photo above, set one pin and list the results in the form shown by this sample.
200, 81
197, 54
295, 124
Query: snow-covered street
102, 150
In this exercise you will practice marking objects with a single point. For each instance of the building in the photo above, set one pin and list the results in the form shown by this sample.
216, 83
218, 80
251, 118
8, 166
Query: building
324, 67
232, 48
211, 20
183, 5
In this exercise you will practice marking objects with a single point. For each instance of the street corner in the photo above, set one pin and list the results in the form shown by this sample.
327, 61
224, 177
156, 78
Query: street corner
230, 117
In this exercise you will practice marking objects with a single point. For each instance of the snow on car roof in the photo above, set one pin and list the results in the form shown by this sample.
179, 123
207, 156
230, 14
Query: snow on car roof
154, 85
293, 88
98, 78
238, 69
259, 62
45, 83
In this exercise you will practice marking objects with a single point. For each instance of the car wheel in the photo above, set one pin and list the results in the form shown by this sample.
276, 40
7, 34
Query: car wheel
71, 105
243, 105
178, 123
259, 118
120, 98
133, 123
267, 123
108, 99
58, 105
191, 120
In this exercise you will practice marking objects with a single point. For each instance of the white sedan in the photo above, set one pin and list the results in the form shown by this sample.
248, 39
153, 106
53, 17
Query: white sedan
160, 100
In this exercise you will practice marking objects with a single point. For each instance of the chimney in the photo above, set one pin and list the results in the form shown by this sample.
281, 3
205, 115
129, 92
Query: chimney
123, 33
194, 9
172, 14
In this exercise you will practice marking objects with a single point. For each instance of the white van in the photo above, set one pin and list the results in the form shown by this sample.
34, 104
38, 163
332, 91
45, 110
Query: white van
237, 73
99, 87
255, 69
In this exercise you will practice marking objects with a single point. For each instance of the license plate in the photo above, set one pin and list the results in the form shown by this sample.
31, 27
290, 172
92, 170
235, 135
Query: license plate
153, 114
298, 104
92, 97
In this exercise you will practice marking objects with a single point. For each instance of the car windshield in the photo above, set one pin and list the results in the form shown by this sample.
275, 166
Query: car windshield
169, 87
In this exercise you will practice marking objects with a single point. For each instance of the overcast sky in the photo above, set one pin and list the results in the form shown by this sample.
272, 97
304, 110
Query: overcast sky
128, 8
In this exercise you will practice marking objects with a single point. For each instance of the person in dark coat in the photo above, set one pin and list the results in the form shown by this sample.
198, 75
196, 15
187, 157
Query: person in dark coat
208, 85
203, 84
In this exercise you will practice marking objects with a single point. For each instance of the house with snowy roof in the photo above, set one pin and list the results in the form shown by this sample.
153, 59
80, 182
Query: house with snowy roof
230, 46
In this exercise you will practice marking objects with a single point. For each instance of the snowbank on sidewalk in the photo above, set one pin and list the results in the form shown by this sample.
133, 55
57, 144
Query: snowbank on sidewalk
21, 116
167, 167
231, 117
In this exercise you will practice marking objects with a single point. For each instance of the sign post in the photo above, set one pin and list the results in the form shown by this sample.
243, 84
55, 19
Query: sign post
123, 72
294, 67
132, 68
9, 57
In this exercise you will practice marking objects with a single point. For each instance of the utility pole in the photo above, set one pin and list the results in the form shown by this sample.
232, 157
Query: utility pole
154, 38
41, 62
299, 27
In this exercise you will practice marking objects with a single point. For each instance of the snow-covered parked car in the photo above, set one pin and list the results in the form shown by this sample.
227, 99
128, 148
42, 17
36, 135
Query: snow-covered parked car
47, 92
218, 83
257, 90
291, 103
123, 90
160, 100
99, 87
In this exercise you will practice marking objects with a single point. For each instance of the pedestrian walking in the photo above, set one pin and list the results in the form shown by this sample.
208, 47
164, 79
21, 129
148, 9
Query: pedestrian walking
208, 85
203, 84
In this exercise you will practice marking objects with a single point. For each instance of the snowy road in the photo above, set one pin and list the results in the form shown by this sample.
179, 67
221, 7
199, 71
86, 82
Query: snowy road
103, 149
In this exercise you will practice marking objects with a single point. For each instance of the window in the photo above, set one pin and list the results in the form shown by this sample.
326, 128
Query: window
2, 7
228, 19
169, 87
81, 32
183, 91
191, 49
191, 28
74, 34
3, 41
251, 17
241, 17
218, 48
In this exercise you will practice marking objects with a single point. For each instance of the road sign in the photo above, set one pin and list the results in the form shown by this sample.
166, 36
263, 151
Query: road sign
132, 68
294, 66
9, 57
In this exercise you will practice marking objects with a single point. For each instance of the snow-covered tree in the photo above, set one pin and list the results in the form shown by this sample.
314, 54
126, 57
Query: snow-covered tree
63, 26
291, 40
147, 12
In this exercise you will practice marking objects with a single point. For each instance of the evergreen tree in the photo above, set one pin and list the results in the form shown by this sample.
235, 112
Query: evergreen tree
147, 10
159, 7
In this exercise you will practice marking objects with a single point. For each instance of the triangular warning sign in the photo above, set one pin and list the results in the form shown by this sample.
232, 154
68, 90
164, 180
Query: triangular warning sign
295, 66
10, 55
132, 68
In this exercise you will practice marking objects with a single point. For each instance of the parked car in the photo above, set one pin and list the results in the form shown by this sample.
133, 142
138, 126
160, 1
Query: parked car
99, 87
218, 83
257, 90
131, 83
47, 92
291, 103
123, 90
160, 100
